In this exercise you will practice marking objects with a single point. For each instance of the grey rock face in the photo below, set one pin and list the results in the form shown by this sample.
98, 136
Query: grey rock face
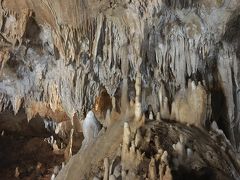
54, 60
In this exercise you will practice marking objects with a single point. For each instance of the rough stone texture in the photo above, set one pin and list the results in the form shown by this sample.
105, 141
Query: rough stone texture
165, 150
57, 57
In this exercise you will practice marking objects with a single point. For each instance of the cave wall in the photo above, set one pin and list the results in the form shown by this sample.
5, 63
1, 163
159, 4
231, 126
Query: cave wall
57, 55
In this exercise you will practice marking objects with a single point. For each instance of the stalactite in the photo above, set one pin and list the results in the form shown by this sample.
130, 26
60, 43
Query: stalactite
179, 57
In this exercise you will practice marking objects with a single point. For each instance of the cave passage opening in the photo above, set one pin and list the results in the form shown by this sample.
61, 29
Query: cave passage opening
34, 149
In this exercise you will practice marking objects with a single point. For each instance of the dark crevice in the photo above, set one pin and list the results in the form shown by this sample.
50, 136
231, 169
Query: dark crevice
219, 112
26, 150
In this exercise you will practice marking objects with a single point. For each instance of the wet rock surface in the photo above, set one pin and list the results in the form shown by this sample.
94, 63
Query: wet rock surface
60, 59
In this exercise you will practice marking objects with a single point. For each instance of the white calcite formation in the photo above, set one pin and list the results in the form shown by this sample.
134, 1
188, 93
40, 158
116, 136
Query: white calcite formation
91, 128
190, 105
179, 56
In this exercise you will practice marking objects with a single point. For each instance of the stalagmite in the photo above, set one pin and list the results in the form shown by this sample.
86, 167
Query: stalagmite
149, 113
152, 170
158, 117
138, 105
191, 105
138, 138
161, 77
108, 118
180, 150
106, 169
124, 96
91, 129
167, 175
68, 150
163, 100
113, 104
126, 136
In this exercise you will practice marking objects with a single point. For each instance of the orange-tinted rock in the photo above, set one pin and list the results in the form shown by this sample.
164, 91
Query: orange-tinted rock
44, 110
102, 103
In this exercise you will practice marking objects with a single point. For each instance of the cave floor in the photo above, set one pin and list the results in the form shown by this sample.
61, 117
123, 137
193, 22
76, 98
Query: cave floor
27, 158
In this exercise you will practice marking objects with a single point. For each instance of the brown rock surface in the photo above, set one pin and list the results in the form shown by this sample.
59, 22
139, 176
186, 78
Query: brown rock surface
56, 56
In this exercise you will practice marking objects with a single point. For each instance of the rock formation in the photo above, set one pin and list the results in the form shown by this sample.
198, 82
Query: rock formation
90, 129
61, 58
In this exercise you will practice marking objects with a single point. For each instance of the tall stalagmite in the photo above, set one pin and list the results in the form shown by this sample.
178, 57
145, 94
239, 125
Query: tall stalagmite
60, 59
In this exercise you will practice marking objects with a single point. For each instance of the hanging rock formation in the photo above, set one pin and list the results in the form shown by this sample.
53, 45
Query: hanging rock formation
61, 59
